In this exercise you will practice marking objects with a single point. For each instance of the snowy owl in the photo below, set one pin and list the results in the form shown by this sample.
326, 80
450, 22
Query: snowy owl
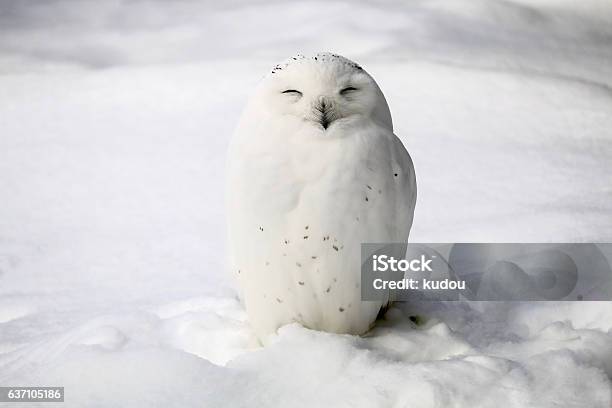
314, 171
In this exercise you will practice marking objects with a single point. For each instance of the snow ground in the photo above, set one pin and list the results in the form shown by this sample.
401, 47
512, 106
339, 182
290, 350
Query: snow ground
114, 120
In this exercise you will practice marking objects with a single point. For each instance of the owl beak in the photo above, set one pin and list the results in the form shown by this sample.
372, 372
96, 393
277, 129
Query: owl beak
322, 110
324, 123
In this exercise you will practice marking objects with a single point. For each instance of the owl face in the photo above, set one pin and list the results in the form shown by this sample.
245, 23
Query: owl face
324, 91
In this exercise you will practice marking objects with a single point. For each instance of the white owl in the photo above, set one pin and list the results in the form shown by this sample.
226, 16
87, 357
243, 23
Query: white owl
314, 171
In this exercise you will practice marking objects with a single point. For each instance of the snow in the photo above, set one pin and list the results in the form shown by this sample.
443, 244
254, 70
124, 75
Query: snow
114, 122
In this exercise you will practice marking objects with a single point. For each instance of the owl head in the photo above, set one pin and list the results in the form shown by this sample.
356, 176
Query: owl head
324, 91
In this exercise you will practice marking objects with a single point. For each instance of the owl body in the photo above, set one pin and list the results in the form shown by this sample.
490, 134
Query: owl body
306, 188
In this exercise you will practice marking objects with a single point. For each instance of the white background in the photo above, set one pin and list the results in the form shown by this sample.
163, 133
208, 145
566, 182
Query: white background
114, 122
